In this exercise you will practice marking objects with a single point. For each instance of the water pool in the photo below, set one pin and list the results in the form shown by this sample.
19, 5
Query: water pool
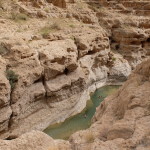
82, 120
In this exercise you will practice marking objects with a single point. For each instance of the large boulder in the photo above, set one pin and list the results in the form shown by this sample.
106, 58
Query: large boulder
34, 140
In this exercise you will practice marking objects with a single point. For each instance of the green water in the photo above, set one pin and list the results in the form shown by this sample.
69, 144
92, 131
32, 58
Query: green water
82, 120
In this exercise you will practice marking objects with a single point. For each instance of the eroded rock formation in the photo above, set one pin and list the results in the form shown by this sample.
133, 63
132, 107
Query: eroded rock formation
121, 122
58, 56
54, 74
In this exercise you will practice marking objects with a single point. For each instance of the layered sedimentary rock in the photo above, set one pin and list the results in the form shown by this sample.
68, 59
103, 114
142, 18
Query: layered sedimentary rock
54, 78
121, 121
60, 55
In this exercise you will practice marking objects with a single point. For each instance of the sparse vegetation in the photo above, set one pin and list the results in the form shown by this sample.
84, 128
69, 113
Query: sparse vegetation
18, 30
46, 10
80, 5
12, 77
3, 50
49, 28
89, 137
72, 25
55, 26
19, 17
113, 59
72, 37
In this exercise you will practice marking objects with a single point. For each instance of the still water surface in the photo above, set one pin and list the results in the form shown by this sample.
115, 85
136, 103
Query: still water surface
82, 120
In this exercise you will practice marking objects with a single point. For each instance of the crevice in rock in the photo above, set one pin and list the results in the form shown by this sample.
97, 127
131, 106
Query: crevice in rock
117, 47
46, 95
43, 82
42, 78
76, 43
66, 71
10, 100
11, 137
142, 44
111, 40
10, 122
148, 40
39, 80
90, 52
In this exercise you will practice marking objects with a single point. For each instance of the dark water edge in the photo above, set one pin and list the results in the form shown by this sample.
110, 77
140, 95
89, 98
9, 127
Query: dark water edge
82, 120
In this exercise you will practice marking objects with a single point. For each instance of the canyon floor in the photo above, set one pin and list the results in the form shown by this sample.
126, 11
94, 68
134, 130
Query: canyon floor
54, 53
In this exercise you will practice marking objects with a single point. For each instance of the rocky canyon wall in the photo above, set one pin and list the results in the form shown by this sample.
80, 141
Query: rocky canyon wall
54, 53
121, 122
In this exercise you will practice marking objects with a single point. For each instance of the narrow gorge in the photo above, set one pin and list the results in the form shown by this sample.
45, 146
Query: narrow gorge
55, 53
82, 120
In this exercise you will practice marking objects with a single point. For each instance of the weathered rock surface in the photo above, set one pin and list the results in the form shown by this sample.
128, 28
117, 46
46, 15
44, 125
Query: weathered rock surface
123, 119
121, 122
55, 78
61, 55
33, 140
5, 109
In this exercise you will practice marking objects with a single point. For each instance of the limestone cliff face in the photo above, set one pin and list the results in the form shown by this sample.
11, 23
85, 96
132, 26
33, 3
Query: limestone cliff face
60, 55
55, 78
121, 122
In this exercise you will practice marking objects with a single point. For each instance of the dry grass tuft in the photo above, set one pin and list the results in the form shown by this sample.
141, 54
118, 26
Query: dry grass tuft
49, 28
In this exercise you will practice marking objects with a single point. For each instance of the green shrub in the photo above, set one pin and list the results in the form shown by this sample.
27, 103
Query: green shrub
12, 77
72, 25
3, 50
113, 59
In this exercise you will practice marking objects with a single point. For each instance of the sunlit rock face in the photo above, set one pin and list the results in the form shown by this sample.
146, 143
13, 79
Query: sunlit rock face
59, 52
55, 78
121, 121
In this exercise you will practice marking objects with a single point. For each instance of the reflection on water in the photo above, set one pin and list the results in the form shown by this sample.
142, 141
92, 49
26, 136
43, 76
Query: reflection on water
83, 120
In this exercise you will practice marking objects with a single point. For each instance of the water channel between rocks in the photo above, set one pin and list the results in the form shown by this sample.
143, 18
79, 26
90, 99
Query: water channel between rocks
82, 120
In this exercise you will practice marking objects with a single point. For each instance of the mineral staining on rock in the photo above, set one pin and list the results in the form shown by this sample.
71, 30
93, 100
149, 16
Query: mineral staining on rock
61, 51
